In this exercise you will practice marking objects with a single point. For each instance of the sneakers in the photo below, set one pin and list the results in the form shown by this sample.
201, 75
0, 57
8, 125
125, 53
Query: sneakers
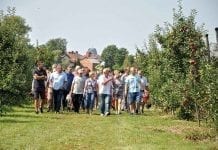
107, 113
37, 112
57, 112
101, 115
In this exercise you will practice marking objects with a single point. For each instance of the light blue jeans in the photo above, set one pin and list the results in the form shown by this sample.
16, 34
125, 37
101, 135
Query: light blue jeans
105, 103
89, 101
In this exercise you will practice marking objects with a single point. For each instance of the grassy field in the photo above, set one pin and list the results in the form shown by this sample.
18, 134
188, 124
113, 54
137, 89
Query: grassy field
22, 129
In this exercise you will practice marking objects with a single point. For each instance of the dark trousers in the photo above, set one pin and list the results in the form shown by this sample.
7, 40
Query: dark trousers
63, 99
57, 96
77, 99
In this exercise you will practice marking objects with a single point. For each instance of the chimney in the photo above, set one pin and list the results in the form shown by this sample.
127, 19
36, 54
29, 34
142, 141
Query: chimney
216, 29
207, 46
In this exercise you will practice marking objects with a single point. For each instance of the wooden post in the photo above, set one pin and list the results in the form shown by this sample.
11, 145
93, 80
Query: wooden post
208, 47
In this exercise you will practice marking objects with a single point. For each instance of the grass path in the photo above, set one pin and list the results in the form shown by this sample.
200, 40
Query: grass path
22, 129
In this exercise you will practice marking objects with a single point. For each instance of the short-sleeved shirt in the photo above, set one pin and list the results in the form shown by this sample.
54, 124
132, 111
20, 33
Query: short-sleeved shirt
134, 83
78, 83
144, 82
90, 85
104, 89
39, 85
58, 80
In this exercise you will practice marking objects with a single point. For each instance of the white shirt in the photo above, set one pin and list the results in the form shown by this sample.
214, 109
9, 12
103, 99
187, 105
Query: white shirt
104, 89
78, 85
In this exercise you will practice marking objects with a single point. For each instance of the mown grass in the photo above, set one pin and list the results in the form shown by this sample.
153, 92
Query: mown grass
22, 129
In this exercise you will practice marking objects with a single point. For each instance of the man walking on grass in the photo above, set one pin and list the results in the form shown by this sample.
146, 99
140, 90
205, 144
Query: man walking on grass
39, 76
58, 80
132, 85
105, 83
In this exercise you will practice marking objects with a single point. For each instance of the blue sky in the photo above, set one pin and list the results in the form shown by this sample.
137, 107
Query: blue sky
98, 23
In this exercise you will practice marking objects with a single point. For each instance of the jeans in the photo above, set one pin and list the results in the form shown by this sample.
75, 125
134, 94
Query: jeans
105, 103
89, 101
57, 94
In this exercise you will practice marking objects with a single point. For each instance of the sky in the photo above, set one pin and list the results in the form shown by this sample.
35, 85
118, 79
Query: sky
99, 23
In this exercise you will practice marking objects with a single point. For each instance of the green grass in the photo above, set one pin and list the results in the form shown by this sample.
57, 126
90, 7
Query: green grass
22, 129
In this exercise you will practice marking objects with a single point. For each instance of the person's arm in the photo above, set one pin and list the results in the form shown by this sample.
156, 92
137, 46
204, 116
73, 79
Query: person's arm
126, 89
85, 87
72, 86
96, 86
37, 77
105, 81
65, 82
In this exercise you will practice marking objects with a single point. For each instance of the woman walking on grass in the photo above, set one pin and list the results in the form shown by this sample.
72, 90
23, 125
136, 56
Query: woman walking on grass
89, 92
118, 91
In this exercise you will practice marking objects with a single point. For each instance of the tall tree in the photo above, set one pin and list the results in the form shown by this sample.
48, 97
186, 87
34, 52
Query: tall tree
129, 61
119, 58
15, 71
108, 55
57, 44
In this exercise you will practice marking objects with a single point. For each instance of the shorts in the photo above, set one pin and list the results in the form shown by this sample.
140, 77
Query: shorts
39, 94
134, 97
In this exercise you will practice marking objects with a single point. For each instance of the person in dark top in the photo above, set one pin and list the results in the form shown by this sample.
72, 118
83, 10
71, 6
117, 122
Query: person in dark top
70, 77
39, 76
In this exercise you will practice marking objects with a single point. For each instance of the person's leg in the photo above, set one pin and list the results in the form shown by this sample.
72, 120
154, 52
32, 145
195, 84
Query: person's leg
96, 99
102, 106
77, 104
119, 105
36, 101
138, 101
73, 97
55, 97
107, 104
131, 103
143, 106
116, 104
63, 99
42, 95
82, 102
92, 102
87, 101
59, 98
50, 96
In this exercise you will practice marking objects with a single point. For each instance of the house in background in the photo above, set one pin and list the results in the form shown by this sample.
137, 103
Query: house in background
90, 59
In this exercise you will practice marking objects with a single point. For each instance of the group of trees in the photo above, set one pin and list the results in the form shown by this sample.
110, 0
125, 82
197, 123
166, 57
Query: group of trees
113, 56
18, 57
182, 79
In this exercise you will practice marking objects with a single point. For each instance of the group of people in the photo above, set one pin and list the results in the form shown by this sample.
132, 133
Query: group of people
84, 89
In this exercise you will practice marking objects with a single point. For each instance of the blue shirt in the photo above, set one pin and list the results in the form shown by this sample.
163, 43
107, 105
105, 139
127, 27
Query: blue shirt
133, 83
58, 80
70, 78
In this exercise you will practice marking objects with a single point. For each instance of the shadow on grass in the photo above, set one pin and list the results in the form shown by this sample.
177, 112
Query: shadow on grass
14, 115
15, 121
